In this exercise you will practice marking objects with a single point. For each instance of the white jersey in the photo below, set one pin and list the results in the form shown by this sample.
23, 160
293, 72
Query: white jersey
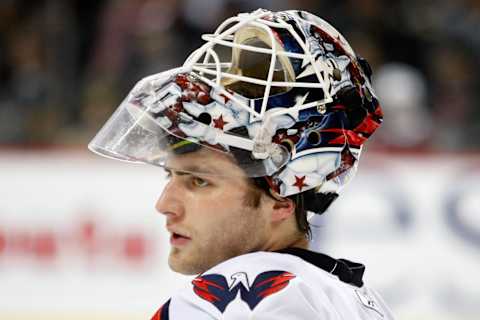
289, 284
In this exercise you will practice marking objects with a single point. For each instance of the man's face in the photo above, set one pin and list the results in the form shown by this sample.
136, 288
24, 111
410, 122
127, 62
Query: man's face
208, 214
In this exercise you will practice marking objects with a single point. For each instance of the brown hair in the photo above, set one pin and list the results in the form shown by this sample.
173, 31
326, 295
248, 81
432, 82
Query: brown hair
260, 187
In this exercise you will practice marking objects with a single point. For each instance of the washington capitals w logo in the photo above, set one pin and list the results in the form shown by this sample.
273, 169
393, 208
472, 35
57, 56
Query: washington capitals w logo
215, 289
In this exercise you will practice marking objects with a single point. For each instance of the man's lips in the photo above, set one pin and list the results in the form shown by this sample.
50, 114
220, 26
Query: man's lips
178, 239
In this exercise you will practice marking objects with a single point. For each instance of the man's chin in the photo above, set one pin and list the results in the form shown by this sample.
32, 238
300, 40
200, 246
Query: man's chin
178, 263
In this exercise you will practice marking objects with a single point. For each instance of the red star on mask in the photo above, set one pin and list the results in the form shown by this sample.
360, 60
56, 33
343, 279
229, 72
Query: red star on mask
225, 98
300, 182
219, 123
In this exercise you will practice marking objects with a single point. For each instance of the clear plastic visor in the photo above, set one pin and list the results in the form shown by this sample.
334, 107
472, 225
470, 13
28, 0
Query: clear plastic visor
135, 133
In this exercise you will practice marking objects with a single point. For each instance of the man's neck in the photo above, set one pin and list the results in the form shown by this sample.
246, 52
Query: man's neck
277, 244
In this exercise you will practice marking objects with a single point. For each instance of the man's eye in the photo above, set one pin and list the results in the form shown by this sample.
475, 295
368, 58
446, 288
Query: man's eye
199, 182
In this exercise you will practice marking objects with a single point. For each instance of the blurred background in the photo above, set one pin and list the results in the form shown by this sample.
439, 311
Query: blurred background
79, 237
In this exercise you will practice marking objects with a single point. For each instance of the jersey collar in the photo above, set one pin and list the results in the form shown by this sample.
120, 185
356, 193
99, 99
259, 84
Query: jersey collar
347, 271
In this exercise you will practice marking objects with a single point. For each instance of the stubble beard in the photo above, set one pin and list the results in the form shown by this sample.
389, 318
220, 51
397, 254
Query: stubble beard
241, 234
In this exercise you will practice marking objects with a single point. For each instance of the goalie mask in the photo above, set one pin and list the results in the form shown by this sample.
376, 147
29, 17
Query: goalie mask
283, 93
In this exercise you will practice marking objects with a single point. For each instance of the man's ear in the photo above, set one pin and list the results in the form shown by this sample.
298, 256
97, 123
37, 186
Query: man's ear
283, 209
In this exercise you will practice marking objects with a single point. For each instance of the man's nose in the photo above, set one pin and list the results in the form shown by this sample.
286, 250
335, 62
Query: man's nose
170, 202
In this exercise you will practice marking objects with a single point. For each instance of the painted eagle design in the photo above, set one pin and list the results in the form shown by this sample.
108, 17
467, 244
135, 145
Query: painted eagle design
215, 288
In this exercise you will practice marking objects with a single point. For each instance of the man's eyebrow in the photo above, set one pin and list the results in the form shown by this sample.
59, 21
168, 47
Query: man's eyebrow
192, 169
199, 169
